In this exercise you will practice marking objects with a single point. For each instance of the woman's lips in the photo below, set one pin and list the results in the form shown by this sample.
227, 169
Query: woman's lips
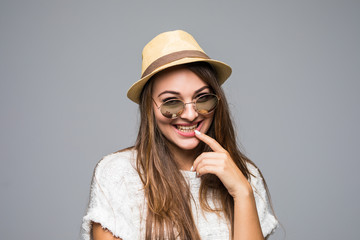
187, 130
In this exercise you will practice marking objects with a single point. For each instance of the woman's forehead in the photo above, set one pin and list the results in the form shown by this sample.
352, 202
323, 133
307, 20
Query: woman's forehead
180, 80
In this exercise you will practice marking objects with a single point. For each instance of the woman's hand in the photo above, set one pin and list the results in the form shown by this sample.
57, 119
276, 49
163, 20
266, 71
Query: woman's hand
221, 164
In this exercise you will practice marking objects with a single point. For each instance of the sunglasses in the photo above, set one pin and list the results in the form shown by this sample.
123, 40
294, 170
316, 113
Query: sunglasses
204, 105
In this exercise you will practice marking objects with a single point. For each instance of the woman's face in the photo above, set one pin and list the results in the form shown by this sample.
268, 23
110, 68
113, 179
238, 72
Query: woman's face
183, 84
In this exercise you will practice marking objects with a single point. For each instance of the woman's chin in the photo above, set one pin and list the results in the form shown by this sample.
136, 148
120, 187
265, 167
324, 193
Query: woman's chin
186, 145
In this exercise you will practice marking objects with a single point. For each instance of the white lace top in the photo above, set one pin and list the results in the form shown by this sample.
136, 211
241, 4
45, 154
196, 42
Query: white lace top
117, 202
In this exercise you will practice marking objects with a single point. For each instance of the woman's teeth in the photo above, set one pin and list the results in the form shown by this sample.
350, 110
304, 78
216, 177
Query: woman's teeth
186, 128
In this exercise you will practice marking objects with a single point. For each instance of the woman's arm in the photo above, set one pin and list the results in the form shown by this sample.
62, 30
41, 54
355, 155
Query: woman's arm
246, 220
100, 233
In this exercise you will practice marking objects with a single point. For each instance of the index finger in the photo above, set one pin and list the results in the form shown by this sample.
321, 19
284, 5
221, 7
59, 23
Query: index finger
213, 144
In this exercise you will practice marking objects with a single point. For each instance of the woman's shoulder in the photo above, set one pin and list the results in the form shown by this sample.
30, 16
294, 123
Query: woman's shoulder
263, 204
117, 164
254, 171
256, 178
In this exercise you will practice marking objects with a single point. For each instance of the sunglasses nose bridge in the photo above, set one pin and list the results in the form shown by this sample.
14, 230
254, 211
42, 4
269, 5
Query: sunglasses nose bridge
193, 103
189, 113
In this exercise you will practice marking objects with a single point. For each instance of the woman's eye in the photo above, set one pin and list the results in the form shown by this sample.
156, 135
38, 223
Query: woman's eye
169, 99
173, 102
201, 94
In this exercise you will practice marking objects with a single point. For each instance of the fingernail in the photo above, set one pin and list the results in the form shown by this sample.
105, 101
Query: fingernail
191, 169
197, 132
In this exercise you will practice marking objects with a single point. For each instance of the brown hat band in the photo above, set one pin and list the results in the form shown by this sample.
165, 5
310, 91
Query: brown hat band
173, 57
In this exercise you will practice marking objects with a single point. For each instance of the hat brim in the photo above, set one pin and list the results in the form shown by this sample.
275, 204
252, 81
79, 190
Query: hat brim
223, 72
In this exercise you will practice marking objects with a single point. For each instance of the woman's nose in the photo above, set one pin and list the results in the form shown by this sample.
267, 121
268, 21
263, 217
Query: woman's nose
189, 112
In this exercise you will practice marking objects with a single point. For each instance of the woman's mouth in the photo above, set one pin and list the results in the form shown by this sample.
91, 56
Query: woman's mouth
188, 130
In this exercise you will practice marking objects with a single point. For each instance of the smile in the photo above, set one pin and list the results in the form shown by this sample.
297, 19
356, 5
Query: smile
187, 130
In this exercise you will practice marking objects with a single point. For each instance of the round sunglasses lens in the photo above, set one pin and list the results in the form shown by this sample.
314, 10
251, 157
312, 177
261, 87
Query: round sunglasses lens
172, 108
206, 104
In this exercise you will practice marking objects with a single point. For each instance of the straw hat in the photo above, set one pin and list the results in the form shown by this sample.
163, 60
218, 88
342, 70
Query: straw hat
170, 49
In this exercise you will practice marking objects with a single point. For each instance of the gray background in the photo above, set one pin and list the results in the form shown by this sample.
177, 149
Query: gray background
65, 67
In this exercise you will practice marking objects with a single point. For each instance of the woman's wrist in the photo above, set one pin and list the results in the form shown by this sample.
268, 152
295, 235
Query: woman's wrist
245, 192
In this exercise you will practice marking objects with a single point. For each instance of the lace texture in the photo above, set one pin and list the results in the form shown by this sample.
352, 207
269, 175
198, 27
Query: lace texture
118, 203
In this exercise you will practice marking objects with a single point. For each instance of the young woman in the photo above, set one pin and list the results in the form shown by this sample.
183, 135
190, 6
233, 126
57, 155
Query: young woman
185, 178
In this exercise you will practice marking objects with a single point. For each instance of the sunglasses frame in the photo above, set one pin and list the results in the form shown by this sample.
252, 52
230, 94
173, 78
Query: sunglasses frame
193, 102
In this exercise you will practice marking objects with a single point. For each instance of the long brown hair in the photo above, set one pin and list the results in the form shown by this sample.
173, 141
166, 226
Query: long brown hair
168, 196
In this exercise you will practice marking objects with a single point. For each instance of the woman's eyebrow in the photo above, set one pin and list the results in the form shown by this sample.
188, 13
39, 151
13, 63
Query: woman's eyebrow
172, 92
177, 93
200, 89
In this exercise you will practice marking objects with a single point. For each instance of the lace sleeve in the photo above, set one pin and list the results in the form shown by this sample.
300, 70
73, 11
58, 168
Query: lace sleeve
266, 216
108, 203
